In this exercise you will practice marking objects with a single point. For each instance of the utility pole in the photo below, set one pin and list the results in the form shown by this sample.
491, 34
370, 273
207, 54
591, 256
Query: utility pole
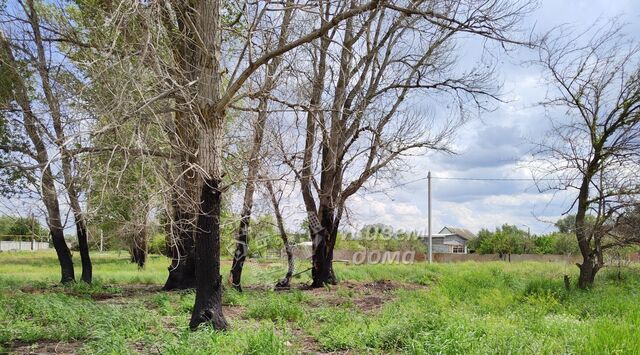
429, 223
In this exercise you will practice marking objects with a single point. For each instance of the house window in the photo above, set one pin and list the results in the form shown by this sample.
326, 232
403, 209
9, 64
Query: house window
458, 249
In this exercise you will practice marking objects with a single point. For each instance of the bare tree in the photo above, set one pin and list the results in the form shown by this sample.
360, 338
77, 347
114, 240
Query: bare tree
32, 49
361, 88
41, 156
268, 83
594, 147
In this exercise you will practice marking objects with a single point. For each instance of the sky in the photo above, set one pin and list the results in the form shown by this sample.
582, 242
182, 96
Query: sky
496, 145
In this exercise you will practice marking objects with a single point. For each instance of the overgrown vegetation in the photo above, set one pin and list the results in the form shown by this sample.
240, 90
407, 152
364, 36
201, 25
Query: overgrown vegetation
475, 308
21, 228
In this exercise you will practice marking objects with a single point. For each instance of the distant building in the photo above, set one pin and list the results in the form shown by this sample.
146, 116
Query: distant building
450, 240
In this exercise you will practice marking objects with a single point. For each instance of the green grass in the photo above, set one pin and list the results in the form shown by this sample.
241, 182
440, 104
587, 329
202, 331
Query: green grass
477, 308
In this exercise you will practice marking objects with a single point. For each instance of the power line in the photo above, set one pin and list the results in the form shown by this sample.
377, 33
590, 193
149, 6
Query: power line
402, 184
473, 179
489, 179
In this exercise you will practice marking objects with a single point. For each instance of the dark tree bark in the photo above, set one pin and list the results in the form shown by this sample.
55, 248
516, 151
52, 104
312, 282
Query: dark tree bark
83, 245
182, 271
59, 244
588, 270
322, 262
590, 265
242, 248
322, 271
62, 251
139, 247
208, 304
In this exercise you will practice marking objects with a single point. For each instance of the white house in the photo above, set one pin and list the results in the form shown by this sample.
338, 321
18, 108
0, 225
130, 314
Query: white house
450, 240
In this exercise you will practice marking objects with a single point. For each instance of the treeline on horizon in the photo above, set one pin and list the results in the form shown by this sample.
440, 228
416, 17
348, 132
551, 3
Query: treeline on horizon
265, 238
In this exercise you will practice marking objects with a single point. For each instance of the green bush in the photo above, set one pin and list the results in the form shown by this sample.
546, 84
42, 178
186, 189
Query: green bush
158, 244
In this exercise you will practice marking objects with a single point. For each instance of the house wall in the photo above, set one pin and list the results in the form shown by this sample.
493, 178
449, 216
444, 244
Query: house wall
440, 247
455, 238
438, 244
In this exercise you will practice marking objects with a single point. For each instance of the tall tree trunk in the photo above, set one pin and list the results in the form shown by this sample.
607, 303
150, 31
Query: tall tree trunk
184, 144
48, 189
139, 248
331, 172
182, 274
286, 281
83, 245
590, 258
54, 221
208, 303
316, 228
321, 271
67, 170
588, 270
242, 246
182, 271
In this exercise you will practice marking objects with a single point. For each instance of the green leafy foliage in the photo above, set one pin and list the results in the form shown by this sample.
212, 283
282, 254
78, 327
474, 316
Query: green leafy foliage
18, 228
509, 239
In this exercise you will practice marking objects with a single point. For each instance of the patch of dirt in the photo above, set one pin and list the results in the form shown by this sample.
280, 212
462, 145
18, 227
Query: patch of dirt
108, 295
140, 348
366, 296
309, 344
256, 287
45, 347
37, 290
233, 312
128, 292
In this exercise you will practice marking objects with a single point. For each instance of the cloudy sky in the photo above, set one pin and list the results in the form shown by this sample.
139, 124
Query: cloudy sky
495, 146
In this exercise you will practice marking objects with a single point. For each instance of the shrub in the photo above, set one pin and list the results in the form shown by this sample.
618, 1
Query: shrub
158, 244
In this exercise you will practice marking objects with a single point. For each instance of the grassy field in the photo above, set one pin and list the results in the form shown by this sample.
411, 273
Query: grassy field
478, 308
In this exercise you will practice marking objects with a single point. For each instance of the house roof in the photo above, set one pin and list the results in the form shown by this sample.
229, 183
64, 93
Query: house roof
464, 233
